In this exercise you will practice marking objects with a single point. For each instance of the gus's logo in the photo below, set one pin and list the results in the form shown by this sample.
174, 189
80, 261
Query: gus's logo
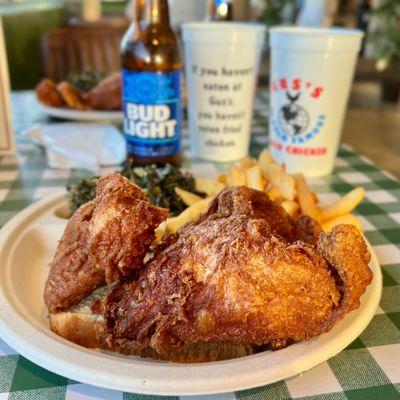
293, 116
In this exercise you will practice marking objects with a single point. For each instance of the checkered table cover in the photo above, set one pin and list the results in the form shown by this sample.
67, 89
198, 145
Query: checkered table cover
369, 368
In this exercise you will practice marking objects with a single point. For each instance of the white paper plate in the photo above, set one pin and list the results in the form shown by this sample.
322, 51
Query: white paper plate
87, 115
27, 244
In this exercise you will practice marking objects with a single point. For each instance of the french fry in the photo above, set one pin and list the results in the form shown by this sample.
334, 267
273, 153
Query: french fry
277, 174
349, 219
266, 169
344, 205
306, 199
159, 233
264, 182
315, 197
274, 194
209, 186
287, 186
291, 207
254, 178
187, 197
237, 176
247, 163
284, 182
264, 160
188, 215
222, 178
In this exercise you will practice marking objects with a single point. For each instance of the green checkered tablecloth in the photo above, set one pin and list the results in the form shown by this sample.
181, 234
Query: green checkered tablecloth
369, 368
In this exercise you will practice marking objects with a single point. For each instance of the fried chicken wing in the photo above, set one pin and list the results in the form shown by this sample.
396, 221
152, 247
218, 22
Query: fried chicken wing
104, 241
72, 96
243, 273
46, 93
107, 95
346, 251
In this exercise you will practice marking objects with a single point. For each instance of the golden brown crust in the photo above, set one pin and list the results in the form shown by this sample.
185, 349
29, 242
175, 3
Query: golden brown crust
253, 204
307, 230
104, 240
107, 95
71, 276
46, 93
72, 96
243, 275
345, 249
235, 275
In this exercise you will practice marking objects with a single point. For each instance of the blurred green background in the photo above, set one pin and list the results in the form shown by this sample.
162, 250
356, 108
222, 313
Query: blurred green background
24, 24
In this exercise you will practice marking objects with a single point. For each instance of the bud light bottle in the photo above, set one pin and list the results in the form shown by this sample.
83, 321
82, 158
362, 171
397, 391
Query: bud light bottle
151, 71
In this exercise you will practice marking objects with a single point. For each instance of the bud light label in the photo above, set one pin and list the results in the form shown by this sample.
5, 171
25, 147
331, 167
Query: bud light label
152, 112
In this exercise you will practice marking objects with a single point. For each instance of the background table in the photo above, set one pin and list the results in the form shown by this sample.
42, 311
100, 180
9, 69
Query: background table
367, 369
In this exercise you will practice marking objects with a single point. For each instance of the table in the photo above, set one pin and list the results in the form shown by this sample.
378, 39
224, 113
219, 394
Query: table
369, 368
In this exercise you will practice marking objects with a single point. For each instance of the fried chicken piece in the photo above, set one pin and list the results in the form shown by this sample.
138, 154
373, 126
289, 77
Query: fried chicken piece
46, 93
241, 274
72, 96
345, 249
307, 230
104, 241
107, 95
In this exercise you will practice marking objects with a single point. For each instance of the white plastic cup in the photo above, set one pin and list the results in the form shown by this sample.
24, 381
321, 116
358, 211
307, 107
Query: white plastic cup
221, 64
311, 75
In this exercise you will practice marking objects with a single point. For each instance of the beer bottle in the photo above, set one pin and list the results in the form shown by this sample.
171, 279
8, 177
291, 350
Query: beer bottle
151, 70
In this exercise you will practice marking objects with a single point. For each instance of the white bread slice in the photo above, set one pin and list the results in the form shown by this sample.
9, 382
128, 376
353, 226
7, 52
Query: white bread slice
80, 325
83, 329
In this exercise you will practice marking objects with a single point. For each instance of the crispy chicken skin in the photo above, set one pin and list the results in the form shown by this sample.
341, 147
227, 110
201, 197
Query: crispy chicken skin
46, 93
104, 241
346, 251
107, 95
243, 273
72, 96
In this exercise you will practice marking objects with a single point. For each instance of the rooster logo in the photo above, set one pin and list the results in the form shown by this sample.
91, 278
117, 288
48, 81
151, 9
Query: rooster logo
293, 118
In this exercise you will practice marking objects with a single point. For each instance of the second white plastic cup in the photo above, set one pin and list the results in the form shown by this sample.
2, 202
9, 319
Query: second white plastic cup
221, 64
311, 75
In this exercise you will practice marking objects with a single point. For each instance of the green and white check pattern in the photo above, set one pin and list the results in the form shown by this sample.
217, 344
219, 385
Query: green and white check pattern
368, 369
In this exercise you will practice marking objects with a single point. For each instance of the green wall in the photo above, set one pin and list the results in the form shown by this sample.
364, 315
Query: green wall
24, 24
115, 7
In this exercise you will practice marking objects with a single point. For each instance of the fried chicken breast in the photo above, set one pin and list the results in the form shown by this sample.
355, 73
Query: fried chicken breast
243, 273
47, 93
104, 241
107, 95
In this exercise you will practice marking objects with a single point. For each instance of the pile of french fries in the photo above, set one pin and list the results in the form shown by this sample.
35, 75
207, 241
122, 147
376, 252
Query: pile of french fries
265, 174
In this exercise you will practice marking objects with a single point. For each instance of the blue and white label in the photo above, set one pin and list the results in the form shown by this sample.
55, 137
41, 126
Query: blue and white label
152, 112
